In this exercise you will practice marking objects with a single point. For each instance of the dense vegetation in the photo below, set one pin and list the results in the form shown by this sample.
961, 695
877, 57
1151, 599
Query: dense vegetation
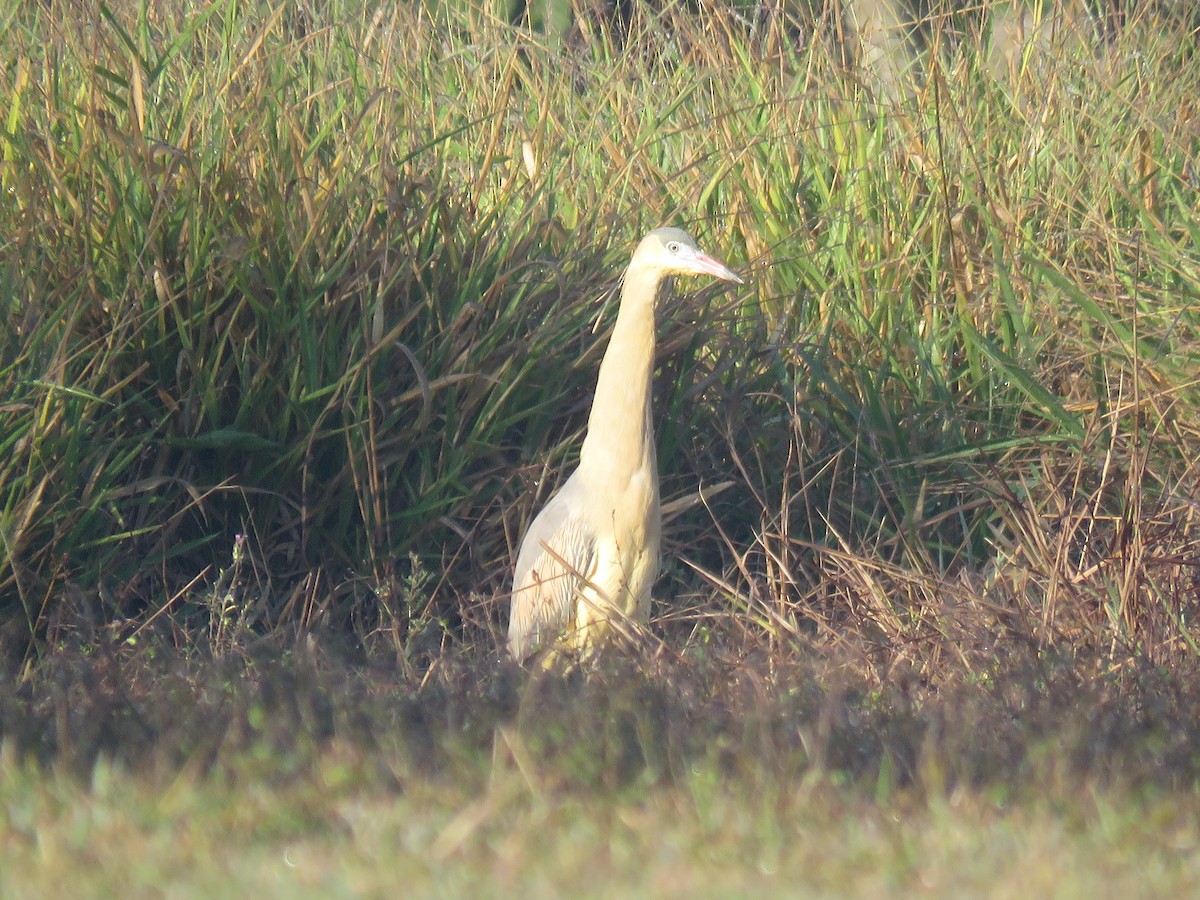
303, 316
302, 307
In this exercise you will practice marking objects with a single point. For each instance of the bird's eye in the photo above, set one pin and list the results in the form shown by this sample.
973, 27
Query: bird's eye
673, 247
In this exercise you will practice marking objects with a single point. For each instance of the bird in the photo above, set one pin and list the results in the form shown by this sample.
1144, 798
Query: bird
588, 560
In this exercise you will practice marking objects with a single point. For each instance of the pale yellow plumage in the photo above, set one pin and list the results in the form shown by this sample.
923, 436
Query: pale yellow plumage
588, 561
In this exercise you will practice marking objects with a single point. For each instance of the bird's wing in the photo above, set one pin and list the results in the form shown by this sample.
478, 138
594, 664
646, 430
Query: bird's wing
557, 557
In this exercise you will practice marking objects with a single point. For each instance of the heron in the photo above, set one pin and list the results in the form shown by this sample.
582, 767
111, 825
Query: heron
589, 558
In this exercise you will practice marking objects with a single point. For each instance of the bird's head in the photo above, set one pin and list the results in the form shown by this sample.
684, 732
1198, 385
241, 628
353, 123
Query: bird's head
671, 251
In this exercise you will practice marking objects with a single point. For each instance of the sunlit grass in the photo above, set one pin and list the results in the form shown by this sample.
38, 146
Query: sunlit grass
119, 836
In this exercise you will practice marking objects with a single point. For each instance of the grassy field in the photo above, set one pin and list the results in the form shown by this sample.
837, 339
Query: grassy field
302, 305
298, 772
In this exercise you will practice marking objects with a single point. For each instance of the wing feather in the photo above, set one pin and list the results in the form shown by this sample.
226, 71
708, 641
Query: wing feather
557, 557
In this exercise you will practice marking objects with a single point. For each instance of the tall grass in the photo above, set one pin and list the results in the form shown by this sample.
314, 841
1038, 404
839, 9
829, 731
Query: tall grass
303, 311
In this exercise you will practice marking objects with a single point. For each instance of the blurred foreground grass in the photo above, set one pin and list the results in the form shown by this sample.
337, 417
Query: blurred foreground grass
120, 839
301, 774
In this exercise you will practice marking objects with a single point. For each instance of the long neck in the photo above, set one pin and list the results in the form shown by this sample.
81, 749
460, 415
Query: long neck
620, 435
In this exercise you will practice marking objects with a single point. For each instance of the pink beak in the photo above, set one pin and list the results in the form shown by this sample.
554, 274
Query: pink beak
709, 266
